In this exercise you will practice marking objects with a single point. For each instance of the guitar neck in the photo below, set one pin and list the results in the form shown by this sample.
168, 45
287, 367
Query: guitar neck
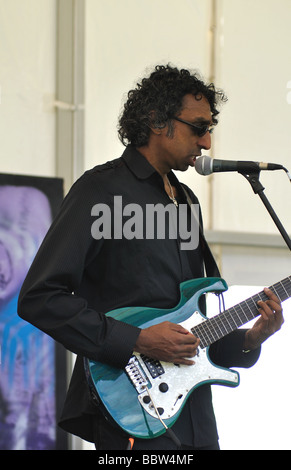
224, 323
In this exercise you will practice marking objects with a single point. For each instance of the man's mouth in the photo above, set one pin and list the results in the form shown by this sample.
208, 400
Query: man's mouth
193, 160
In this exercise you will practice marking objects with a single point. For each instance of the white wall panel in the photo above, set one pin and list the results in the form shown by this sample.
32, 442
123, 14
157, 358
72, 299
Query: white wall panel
254, 68
27, 81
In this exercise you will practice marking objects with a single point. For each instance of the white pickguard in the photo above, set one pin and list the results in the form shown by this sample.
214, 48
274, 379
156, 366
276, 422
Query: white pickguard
179, 380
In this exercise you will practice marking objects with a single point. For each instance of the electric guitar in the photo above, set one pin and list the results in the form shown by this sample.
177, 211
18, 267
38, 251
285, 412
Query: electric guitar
146, 398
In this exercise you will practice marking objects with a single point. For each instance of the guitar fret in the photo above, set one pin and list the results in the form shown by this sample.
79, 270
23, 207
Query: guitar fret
233, 308
197, 331
283, 294
228, 323
205, 327
243, 312
231, 321
216, 331
220, 320
284, 288
216, 322
253, 312
285, 284
277, 294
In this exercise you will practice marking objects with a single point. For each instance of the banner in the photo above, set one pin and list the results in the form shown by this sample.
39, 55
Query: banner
32, 365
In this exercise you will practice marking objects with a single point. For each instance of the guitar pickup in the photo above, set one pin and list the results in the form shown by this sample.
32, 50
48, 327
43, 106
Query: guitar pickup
154, 366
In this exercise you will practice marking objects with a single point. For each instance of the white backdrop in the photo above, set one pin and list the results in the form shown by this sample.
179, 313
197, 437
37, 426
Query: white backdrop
254, 66
124, 39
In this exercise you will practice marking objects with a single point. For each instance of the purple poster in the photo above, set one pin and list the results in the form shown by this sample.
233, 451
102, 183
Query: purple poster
32, 366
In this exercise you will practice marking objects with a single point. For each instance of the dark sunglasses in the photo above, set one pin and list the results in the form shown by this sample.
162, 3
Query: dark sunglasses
200, 131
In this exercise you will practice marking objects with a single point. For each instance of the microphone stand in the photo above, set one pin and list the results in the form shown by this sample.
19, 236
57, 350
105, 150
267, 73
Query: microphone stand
258, 188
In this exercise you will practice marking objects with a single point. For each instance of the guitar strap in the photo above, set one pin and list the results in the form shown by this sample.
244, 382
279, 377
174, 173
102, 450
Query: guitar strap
211, 267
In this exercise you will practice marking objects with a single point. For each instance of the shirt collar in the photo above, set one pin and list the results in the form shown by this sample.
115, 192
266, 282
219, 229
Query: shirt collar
137, 163
142, 169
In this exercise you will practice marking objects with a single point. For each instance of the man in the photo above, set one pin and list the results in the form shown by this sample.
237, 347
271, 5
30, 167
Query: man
79, 275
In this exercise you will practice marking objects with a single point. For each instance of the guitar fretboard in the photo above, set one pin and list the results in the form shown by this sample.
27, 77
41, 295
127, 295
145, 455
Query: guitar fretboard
224, 323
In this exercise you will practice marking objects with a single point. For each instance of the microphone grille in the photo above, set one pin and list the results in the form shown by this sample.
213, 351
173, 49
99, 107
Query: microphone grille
203, 165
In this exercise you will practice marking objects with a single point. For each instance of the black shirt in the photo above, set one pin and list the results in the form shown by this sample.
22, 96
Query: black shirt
76, 278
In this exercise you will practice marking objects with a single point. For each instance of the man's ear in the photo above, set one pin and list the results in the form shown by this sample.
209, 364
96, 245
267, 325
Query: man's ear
155, 126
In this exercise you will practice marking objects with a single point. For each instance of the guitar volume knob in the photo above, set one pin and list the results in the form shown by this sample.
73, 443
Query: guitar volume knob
163, 387
146, 399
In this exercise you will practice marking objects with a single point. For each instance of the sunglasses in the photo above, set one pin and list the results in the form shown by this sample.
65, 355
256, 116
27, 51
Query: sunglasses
200, 131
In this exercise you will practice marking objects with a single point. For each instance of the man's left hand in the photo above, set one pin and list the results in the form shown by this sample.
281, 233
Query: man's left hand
270, 321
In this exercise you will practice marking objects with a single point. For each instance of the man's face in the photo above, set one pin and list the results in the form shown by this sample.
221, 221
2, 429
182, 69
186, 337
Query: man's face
180, 150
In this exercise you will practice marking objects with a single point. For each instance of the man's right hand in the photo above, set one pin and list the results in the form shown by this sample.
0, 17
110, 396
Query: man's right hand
168, 342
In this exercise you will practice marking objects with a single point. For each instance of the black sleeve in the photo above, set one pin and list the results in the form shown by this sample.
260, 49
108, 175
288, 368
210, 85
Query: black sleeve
48, 297
228, 351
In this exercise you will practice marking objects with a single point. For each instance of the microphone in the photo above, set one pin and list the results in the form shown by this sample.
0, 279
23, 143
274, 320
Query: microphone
207, 165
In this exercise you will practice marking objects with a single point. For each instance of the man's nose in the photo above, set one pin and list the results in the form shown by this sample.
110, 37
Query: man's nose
205, 141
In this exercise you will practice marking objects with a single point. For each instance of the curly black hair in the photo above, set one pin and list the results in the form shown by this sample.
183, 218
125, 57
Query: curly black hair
157, 99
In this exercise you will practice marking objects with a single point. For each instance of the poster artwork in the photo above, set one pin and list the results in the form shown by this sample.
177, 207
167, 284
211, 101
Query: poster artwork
28, 369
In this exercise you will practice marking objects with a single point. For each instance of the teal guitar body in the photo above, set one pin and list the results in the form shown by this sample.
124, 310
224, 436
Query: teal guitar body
146, 398
169, 385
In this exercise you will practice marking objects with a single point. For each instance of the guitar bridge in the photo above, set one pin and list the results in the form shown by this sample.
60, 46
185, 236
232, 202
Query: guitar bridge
136, 374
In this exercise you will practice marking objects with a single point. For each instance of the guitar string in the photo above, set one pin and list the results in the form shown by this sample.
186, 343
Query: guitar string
284, 289
210, 325
253, 301
253, 314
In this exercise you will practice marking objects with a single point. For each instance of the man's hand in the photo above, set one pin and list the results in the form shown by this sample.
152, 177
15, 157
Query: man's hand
270, 321
168, 342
